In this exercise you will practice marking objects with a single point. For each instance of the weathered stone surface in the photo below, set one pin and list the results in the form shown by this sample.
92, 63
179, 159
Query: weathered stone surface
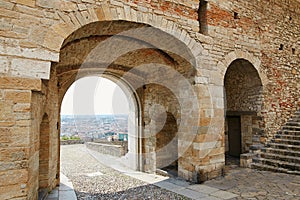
30, 68
18, 96
20, 83
17, 176
30, 3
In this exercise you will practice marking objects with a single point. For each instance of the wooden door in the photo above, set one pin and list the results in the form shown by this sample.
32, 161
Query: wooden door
234, 136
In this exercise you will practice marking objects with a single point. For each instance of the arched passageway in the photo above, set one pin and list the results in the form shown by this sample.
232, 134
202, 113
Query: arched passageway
244, 97
155, 70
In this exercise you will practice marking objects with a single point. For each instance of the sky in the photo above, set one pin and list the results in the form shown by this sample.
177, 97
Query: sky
94, 95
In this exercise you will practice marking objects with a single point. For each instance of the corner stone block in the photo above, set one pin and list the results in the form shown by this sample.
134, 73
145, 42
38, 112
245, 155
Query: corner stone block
47, 3
63, 29
18, 96
30, 68
13, 177
216, 91
30, 3
34, 53
12, 192
53, 41
20, 83
4, 64
6, 111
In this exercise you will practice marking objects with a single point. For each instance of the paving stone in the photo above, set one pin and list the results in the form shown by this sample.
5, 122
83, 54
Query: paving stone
203, 188
224, 195
191, 194
209, 198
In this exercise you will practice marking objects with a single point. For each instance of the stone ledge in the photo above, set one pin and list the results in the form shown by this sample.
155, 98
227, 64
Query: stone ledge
20, 83
109, 149
69, 142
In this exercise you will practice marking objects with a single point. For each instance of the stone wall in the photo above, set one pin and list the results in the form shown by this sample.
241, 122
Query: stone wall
270, 33
69, 142
108, 149
19, 137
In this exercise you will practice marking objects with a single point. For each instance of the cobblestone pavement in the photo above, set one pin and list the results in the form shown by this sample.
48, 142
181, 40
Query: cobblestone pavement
255, 185
93, 180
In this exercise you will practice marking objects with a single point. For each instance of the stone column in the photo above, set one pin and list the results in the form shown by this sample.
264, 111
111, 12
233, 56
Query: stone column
19, 138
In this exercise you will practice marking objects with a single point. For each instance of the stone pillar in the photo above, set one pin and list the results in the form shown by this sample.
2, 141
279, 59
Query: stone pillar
205, 159
19, 138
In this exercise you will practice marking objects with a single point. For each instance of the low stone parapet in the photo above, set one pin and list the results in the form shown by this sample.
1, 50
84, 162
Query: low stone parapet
68, 142
109, 149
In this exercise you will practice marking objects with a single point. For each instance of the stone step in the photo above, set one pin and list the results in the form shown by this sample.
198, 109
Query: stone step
277, 163
288, 132
287, 137
284, 146
278, 157
285, 141
281, 152
291, 128
292, 123
295, 119
273, 169
260, 166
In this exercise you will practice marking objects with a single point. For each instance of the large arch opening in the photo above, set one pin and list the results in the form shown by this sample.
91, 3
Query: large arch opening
244, 97
153, 68
99, 112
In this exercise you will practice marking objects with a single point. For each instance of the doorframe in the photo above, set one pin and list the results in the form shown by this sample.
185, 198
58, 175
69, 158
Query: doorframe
240, 114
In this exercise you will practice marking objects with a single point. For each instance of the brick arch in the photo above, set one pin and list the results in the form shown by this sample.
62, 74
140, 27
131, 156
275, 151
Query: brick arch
56, 35
232, 56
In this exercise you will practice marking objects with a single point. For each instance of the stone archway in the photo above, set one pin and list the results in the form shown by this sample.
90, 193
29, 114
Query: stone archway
134, 56
244, 102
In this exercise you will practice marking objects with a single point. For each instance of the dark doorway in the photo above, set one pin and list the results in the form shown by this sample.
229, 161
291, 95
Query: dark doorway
234, 136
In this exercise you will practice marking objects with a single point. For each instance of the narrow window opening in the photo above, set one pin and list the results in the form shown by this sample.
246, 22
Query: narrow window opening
202, 17
235, 15
293, 51
281, 47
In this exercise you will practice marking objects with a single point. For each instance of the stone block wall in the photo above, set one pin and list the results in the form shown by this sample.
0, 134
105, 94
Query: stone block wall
70, 142
19, 137
108, 149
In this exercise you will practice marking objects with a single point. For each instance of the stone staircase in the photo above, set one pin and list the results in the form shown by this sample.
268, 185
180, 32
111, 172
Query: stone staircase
282, 153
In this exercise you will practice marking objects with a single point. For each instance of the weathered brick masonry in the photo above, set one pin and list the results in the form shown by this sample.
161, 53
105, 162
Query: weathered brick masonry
43, 45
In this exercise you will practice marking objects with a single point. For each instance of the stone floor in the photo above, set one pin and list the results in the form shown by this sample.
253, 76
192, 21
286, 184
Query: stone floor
97, 176
252, 184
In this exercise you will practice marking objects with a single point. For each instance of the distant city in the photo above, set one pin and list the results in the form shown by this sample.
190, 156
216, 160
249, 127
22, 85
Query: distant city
87, 127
